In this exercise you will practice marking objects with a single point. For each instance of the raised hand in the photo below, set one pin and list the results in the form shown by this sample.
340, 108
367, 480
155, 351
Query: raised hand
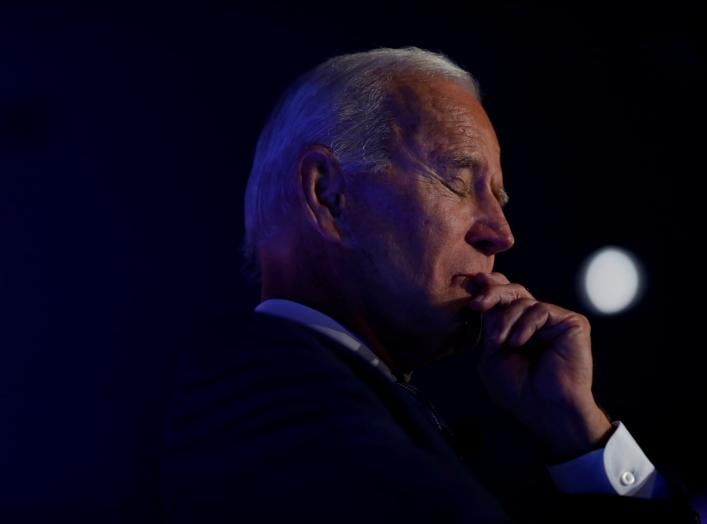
536, 362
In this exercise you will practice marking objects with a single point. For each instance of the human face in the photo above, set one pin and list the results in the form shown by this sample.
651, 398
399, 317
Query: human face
421, 229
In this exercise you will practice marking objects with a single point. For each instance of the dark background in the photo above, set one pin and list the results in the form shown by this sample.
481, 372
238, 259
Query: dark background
126, 137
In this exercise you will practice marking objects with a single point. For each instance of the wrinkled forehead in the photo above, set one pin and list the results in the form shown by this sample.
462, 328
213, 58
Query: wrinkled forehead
434, 117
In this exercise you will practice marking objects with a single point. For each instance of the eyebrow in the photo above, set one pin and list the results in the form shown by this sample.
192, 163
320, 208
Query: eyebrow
461, 159
501, 196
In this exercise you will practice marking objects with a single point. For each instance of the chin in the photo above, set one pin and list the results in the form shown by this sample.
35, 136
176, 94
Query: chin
456, 331
464, 332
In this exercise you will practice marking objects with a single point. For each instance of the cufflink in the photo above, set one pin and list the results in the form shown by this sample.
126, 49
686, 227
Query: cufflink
627, 478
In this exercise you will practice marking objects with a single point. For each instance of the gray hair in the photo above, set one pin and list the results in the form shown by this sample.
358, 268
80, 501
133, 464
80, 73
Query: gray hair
339, 104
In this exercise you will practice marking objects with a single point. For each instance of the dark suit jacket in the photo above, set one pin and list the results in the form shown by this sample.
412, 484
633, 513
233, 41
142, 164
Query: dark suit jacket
283, 423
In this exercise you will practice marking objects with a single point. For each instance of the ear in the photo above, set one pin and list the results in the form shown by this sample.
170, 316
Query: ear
322, 187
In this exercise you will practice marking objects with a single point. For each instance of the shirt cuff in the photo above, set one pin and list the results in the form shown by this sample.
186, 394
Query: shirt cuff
619, 468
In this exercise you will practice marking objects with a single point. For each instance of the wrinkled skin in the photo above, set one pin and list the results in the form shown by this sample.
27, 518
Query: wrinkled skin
404, 259
420, 230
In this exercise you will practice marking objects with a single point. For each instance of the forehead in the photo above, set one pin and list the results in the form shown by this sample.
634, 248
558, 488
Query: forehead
439, 118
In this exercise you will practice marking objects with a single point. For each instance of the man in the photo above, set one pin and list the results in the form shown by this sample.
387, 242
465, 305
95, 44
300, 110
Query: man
374, 213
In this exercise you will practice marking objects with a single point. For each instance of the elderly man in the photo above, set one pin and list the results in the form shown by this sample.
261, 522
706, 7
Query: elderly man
374, 211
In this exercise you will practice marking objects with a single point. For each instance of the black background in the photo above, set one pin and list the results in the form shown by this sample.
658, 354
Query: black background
126, 137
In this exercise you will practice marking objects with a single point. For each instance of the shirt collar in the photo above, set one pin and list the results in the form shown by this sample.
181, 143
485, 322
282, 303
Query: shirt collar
323, 324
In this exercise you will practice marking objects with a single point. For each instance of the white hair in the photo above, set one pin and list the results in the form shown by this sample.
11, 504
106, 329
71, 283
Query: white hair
339, 104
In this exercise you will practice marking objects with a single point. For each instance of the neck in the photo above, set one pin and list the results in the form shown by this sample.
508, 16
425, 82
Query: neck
327, 298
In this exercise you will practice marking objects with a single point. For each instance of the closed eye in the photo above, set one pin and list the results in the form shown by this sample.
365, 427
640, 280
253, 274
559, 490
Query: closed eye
459, 185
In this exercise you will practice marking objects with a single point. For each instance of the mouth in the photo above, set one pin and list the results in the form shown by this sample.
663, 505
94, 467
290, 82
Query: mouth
467, 282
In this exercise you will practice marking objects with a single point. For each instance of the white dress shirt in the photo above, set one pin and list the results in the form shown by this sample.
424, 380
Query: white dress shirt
619, 468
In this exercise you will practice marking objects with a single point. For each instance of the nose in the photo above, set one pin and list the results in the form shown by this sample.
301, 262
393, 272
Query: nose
491, 233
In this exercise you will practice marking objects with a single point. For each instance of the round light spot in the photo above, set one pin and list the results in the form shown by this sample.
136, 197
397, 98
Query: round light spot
611, 280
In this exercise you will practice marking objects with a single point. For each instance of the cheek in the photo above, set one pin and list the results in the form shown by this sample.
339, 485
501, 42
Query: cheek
446, 232
392, 243
432, 247
416, 237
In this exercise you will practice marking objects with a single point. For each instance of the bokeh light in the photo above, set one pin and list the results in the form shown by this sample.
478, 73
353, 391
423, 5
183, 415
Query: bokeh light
611, 280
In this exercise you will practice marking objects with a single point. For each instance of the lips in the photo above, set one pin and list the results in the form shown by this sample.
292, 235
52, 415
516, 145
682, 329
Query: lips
467, 282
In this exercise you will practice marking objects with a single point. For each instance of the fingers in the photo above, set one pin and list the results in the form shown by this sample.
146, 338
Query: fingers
525, 319
505, 323
495, 276
497, 294
480, 281
532, 320
514, 316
